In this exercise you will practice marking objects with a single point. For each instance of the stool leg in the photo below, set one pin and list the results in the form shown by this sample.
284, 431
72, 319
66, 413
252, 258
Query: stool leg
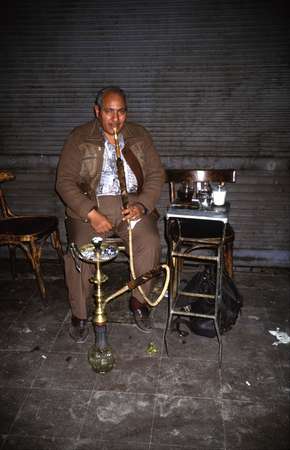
33, 252
55, 240
228, 257
172, 295
12, 255
220, 342
218, 294
166, 331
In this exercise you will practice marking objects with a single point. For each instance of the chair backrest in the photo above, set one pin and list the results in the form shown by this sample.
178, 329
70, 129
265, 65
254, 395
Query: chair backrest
193, 176
5, 175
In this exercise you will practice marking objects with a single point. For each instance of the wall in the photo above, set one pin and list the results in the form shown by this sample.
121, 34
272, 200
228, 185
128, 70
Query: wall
210, 80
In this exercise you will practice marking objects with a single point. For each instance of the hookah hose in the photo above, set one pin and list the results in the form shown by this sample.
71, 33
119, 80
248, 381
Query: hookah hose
125, 201
121, 172
132, 269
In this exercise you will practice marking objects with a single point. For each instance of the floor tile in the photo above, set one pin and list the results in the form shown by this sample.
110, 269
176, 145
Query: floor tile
19, 369
178, 447
54, 309
285, 369
135, 374
187, 420
247, 341
191, 346
65, 371
10, 307
65, 344
9, 312
18, 290
128, 340
30, 334
256, 380
254, 314
38, 443
125, 417
52, 413
189, 377
93, 444
258, 425
10, 402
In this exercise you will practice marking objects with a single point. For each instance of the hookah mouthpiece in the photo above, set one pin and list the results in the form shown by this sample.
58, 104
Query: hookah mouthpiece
115, 133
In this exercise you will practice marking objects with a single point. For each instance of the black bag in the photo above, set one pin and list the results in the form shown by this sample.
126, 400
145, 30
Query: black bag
229, 308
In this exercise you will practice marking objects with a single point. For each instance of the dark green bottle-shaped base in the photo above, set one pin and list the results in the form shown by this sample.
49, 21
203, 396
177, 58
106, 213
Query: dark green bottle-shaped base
100, 355
101, 360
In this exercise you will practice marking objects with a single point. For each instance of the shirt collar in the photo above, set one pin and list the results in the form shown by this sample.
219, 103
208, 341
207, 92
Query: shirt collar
109, 145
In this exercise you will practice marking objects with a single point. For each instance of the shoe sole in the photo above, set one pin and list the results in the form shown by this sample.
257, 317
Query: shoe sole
79, 341
144, 330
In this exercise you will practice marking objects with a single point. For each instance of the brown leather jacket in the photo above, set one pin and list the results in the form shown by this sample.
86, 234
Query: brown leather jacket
81, 161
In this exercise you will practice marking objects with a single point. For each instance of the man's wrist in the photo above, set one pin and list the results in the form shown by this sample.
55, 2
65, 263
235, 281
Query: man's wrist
144, 209
92, 212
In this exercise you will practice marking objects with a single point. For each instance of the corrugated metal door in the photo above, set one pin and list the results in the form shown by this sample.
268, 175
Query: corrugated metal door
210, 79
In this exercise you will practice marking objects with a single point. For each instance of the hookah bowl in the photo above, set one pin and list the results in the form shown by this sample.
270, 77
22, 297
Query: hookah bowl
100, 355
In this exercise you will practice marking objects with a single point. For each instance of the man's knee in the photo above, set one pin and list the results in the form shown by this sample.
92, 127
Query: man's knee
148, 242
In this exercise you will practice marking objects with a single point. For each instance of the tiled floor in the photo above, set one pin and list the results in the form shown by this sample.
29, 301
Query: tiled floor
52, 400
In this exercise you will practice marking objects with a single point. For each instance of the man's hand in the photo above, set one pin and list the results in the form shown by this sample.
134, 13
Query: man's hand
99, 222
133, 212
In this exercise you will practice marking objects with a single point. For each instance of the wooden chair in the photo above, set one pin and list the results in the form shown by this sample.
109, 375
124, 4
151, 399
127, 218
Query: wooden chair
28, 233
176, 177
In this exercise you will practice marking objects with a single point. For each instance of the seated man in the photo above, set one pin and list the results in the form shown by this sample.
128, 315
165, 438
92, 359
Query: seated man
88, 183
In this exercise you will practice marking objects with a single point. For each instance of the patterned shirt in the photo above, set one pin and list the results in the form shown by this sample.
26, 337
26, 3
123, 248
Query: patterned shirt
109, 182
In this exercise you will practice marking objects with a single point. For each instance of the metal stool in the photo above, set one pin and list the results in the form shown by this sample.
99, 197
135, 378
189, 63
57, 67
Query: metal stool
203, 247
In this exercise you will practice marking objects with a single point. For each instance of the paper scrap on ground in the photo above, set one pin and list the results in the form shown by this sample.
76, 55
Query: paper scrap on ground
282, 337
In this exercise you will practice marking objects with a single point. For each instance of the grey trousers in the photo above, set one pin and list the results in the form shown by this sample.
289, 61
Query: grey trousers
146, 251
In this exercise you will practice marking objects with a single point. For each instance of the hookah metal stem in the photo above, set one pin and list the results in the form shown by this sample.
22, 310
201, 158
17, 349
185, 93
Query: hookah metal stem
121, 172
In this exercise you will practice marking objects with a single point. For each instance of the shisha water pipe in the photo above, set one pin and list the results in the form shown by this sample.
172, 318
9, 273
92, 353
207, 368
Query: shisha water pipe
100, 355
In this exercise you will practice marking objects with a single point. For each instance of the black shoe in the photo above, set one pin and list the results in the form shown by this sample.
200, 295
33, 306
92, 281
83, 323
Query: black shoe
79, 330
141, 315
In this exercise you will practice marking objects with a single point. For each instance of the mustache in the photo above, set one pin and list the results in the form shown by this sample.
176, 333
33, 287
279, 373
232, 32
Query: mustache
115, 125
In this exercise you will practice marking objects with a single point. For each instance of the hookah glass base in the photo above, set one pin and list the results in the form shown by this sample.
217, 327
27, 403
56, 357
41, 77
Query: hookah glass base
100, 355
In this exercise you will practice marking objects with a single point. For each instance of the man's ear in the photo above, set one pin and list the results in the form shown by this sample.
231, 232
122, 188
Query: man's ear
97, 110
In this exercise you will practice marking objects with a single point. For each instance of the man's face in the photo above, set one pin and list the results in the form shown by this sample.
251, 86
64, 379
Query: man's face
112, 114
